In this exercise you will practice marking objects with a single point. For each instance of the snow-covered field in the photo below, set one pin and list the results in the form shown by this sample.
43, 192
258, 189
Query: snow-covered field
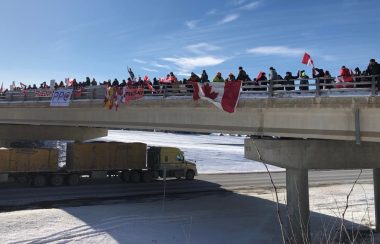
212, 153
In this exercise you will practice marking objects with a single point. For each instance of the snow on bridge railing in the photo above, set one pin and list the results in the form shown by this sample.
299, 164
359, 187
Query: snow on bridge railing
265, 88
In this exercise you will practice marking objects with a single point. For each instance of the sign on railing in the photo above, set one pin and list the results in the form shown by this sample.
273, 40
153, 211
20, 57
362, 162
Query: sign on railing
61, 98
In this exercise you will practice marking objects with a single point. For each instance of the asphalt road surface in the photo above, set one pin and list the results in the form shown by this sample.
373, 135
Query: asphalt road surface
15, 197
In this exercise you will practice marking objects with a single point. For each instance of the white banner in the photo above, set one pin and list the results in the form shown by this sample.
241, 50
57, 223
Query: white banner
61, 98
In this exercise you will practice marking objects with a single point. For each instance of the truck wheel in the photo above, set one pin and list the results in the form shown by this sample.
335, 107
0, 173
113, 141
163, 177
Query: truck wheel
190, 175
73, 180
147, 177
39, 181
56, 180
125, 176
134, 176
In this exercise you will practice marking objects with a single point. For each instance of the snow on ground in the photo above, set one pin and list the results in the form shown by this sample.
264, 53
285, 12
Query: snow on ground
234, 217
212, 153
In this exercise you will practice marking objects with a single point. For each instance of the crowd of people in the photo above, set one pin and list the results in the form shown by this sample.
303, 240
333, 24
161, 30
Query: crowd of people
260, 83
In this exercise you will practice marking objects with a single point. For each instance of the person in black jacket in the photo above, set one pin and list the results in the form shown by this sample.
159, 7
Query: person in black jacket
289, 81
374, 69
242, 75
328, 80
204, 77
319, 74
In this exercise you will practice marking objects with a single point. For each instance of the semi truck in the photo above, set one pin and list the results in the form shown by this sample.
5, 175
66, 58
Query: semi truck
132, 162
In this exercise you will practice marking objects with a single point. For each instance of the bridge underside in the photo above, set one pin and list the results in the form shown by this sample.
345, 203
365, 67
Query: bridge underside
11, 133
346, 118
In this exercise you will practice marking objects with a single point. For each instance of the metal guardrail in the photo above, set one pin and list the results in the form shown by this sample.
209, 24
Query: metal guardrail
267, 88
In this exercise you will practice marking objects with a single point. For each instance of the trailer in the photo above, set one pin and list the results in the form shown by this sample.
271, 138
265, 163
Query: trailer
132, 162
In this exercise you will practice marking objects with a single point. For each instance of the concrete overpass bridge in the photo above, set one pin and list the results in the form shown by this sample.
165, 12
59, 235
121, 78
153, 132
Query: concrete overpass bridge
338, 118
295, 132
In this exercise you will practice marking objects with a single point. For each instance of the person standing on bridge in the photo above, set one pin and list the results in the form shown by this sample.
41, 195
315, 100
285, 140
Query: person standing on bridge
218, 78
204, 77
318, 74
243, 75
273, 76
289, 81
304, 81
328, 80
231, 77
374, 69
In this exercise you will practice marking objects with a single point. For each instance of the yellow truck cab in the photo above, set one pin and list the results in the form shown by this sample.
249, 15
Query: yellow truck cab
171, 160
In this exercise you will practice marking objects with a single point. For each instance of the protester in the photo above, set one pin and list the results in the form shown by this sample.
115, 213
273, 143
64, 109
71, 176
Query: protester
357, 79
218, 77
304, 81
289, 81
344, 76
172, 78
231, 77
204, 77
262, 81
273, 76
328, 80
93, 82
319, 74
243, 75
87, 82
374, 69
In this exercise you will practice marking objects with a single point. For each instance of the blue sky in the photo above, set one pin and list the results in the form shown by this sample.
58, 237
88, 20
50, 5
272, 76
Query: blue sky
42, 40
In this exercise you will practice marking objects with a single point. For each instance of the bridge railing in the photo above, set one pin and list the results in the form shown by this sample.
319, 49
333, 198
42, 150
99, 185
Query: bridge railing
368, 85
313, 86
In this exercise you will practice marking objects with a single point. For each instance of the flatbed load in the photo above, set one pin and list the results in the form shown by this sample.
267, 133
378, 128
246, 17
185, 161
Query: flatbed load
14, 160
105, 156
132, 162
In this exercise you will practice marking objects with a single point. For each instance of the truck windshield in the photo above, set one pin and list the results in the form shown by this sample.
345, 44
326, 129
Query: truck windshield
180, 157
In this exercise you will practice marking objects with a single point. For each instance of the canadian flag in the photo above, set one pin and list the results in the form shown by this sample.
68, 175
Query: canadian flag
307, 60
224, 96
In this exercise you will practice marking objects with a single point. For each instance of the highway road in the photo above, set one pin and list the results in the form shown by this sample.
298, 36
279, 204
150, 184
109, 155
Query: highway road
14, 197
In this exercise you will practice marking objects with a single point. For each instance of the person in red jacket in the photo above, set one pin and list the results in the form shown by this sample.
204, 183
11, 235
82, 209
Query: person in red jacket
345, 75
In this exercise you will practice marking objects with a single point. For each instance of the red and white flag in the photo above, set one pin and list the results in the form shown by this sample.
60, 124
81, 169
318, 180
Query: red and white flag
223, 95
307, 60
147, 83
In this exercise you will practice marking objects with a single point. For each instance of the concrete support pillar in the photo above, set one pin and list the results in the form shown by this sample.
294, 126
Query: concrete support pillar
376, 186
297, 190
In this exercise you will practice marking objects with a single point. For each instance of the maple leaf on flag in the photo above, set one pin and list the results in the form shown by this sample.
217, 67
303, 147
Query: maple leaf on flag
207, 90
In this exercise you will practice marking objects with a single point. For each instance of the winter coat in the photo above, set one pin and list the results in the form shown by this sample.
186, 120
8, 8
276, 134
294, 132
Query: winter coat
242, 75
204, 77
218, 79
